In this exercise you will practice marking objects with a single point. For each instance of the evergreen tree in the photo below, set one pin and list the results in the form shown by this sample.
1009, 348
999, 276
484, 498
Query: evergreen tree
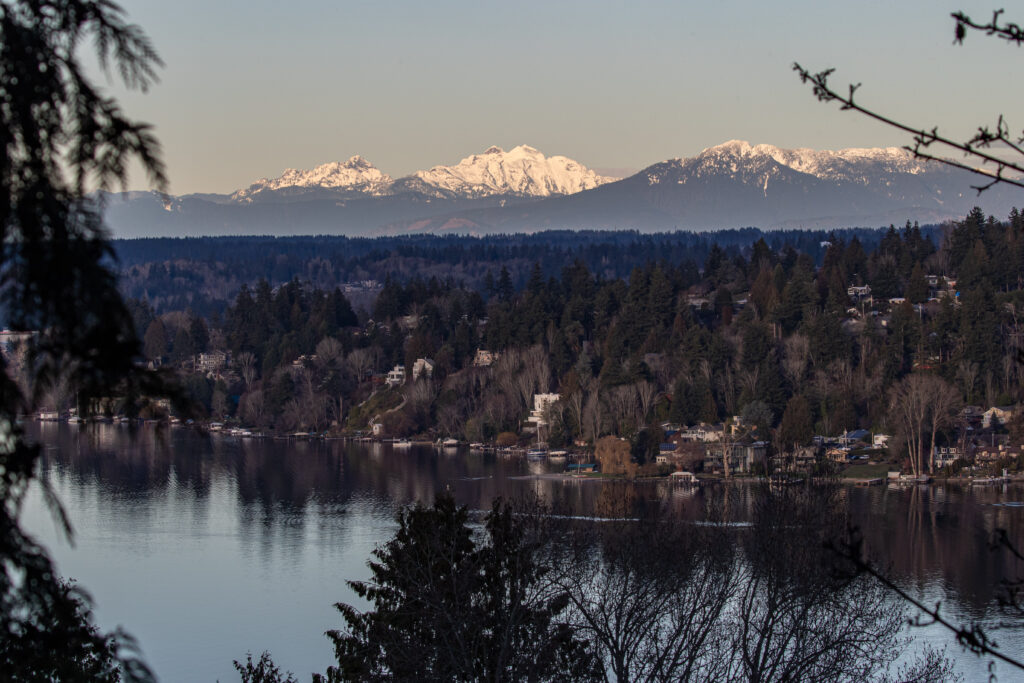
917, 287
444, 607
155, 342
797, 426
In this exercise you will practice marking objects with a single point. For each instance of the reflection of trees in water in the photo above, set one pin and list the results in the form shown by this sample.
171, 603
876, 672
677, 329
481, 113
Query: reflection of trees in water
930, 538
934, 538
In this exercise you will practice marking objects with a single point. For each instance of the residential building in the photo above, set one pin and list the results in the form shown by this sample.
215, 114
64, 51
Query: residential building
211, 362
484, 358
541, 403
946, 455
996, 415
857, 293
396, 377
423, 367
742, 456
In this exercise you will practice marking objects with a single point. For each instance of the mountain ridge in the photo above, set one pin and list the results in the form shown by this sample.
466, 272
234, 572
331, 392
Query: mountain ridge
523, 171
734, 184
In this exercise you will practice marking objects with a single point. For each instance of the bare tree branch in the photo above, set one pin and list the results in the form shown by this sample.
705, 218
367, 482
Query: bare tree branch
1002, 170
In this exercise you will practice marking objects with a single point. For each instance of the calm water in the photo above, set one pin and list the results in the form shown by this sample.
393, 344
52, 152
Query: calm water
207, 547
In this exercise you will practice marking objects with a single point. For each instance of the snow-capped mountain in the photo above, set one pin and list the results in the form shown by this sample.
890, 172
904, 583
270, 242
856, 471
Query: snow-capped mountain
737, 184
355, 175
731, 185
522, 172
743, 161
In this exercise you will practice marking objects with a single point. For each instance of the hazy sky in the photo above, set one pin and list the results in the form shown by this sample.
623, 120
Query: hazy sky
251, 88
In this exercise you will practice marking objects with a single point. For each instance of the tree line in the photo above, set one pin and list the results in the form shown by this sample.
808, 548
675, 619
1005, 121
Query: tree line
762, 333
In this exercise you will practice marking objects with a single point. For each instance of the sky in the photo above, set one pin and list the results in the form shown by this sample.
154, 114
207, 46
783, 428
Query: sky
252, 88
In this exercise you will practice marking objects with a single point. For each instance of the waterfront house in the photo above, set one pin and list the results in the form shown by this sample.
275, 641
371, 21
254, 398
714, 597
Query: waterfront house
742, 456
943, 456
993, 453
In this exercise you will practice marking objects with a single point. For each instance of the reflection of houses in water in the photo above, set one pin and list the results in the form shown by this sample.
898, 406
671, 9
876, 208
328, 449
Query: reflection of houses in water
268, 489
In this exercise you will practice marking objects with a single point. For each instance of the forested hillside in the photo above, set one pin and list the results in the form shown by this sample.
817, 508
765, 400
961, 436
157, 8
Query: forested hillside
797, 339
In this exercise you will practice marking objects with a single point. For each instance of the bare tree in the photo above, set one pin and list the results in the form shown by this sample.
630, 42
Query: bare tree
909, 403
329, 352
650, 596
796, 352
967, 373
945, 406
922, 404
575, 404
362, 362
246, 363
796, 616
593, 415
622, 404
646, 393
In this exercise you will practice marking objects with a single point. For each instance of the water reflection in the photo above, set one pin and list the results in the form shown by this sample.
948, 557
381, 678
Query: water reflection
263, 514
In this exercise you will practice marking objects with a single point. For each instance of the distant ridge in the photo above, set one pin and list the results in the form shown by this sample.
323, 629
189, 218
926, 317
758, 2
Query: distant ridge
731, 185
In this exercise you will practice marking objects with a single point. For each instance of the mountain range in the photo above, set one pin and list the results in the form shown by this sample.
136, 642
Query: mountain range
731, 185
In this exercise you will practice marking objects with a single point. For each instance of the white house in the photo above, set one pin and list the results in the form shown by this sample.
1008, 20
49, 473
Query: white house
541, 403
857, 293
396, 377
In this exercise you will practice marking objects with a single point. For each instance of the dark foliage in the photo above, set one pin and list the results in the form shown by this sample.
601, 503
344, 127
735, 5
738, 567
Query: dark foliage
449, 607
59, 137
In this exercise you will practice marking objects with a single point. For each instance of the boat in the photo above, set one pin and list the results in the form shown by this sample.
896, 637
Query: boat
537, 453
75, 420
450, 443
401, 443
476, 446
558, 455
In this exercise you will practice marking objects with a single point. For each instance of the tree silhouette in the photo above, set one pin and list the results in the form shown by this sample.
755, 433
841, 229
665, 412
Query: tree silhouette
928, 144
59, 139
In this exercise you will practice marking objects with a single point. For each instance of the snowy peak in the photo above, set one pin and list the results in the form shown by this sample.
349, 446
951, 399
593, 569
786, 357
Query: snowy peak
522, 171
852, 165
355, 175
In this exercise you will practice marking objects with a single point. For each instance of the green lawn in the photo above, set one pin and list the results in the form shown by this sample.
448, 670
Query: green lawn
866, 471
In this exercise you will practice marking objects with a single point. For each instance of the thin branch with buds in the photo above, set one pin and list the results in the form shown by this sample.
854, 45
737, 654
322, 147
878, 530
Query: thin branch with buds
972, 636
1003, 171
999, 170
1009, 32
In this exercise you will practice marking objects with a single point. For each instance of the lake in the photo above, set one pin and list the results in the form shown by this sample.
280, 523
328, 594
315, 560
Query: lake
205, 547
